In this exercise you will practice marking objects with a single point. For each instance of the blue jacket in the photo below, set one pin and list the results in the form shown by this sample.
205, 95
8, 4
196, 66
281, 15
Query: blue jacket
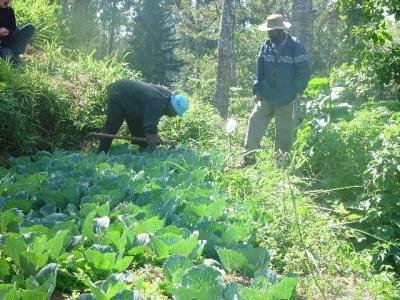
281, 76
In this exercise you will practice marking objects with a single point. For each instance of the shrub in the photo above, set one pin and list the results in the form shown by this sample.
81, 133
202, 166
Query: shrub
362, 152
200, 126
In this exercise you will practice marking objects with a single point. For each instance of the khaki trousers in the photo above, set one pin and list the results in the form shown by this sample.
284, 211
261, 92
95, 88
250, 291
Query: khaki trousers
259, 120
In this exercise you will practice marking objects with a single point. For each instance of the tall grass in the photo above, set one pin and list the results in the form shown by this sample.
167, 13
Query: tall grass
45, 16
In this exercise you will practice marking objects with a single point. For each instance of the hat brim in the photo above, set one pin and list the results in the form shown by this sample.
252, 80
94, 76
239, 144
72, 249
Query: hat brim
264, 26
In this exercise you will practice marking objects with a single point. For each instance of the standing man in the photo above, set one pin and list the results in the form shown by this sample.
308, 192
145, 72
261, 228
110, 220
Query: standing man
141, 105
282, 73
11, 38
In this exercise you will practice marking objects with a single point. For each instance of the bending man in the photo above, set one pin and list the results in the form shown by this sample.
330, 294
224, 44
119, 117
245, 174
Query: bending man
142, 105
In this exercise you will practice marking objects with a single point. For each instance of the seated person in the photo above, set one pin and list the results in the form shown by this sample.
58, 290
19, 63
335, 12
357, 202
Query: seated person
13, 38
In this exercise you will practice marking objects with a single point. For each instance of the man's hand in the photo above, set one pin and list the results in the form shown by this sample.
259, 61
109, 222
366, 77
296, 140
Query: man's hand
4, 32
153, 140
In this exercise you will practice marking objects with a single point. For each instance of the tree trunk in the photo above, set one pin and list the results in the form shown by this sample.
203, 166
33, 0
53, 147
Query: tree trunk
225, 52
233, 77
302, 19
111, 36
79, 21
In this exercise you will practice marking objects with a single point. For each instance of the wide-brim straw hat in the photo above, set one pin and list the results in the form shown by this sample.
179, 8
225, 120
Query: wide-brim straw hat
274, 22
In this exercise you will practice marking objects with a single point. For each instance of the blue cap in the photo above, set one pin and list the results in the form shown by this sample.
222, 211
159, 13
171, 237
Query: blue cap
180, 104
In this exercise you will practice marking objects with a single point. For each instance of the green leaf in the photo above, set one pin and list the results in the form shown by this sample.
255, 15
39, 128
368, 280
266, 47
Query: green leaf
118, 239
150, 225
108, 288
211, 210
4, 268
123, 263
100, 261
6, 290
47, 278
30, 262
48, 272
33, 294
258, 257
183, 247
38, 228
175, 266
200, 277
197, 250
9, 221
231, 260
23, 204
13, 248
87, 228
200, 283
39, 244
126, 295
284, 289
56, 245
159, 248
236, 233
139, 250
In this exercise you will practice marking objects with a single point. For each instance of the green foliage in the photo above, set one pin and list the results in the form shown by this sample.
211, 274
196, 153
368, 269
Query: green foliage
317, 86
199, 77
91, 237
200, 282
263, 287
243, 259
372, 43
338, 152
360, 158
46, 18
39, 286
382, 186
200, 127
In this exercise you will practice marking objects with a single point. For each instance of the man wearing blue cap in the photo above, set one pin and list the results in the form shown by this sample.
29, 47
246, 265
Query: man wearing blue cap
142, 105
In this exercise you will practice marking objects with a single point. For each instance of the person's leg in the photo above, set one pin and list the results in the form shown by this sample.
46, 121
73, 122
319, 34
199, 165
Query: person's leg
258, 123
284, 120
112, 125
136, 129
20, 39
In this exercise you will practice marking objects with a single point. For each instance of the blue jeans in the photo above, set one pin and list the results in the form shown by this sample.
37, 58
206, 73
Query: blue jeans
19, 39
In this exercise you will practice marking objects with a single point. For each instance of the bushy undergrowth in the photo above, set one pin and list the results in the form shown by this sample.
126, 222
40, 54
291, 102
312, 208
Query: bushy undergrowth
358, 160
307, 239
